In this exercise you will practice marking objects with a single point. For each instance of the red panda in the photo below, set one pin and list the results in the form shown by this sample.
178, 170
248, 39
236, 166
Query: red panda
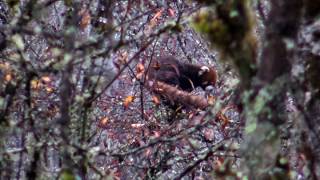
185, 76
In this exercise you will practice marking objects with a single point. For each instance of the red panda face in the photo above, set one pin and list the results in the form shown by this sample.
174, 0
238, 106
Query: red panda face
208, 76
203, 70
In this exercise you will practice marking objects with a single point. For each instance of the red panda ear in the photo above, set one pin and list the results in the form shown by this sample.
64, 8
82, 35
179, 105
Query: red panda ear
203, 70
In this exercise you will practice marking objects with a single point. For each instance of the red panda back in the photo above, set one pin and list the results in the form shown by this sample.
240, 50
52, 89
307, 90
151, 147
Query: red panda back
184, 75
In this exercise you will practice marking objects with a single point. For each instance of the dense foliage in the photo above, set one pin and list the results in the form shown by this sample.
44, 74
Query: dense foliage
75, 101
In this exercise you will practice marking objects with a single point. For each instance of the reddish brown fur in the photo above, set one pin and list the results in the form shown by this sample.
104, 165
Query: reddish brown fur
183, 75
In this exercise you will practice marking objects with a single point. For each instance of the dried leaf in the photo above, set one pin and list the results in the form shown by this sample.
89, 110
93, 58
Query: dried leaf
137, 125
171, 12
157, 134
140, 70
127, 101
123, 58
222, 118
191, 115
85, 18
156, 100
157, 15
46, 79
148, 152
49, 89
211, 100
153, 22
35, 84
8, 77
104, 121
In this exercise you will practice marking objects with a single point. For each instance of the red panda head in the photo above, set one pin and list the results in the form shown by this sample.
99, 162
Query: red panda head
207, 76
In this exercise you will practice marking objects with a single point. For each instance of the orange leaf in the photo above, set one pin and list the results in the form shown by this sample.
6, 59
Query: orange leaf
85, 18
104, 121
35, 84
222, 118
128, 101
171, 12
156, 100
157, 134
123, 58
8, 77
46, 79
211, 99
140, 70
157, 15
49, 89
153, 21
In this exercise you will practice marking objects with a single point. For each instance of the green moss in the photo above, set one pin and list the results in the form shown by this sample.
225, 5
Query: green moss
228, 25
201, 23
